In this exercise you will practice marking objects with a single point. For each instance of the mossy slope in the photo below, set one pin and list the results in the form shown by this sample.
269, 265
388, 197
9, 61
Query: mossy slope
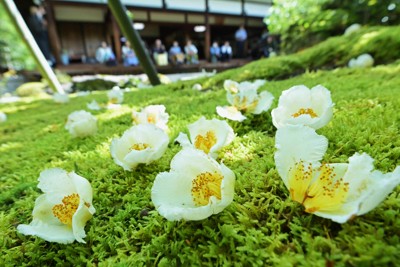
262, 227
383, 43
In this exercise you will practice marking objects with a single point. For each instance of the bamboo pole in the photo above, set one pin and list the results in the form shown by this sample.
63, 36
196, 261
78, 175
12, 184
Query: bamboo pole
30, 42
119, 13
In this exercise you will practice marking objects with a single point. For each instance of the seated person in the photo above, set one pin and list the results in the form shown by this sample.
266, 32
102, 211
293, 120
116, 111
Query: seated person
215, 52
226, 52
129, 55
159, 53
191, 53
175, 54
105, 55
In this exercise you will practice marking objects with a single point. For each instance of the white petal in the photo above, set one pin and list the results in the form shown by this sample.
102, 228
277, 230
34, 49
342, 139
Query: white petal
3, 117
56, 181
296, 143
230, 113
381, 185
83, 187
52, 233
81, 216
183, 140
264, 102
93, 105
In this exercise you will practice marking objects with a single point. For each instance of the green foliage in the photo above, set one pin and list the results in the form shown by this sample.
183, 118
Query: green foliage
12, 49
262, 227
303, 23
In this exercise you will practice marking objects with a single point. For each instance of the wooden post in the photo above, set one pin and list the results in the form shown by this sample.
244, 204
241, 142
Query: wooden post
53, 35
117, 41
27, 37
125, 23
207, 38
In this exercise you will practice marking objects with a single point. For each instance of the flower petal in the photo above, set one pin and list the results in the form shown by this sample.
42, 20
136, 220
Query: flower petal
295, 143
52, 233
56, 181
230, 113
264, 102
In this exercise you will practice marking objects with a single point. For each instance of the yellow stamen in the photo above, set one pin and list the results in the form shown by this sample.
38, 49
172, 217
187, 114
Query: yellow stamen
304, 111
204, 186
151, 118
323, 193
113, 100
139, 146
67, 209
206, 142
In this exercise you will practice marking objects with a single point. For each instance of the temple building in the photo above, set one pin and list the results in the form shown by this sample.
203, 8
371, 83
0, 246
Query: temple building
78, 27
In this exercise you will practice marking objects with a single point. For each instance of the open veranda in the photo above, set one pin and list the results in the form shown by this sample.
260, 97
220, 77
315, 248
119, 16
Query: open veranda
286, 161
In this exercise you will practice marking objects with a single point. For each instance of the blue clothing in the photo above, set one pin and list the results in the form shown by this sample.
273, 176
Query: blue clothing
174, 50
215, 50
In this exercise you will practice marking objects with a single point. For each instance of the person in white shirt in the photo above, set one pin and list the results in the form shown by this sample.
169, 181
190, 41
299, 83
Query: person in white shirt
191, 53
226, 52
241, 37
104, 54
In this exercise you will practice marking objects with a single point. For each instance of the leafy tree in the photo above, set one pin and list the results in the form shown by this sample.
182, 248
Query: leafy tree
302, 23
13, 51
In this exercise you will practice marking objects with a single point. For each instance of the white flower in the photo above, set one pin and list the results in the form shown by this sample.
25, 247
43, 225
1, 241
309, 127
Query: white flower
243, 97
60, 214
197, 87
3, 117
352, 29
195, 188
115, 95
336, 191
362, 61
207, 135
300, 105
60, 98
141, 143
153, 114
93, 105
81, 123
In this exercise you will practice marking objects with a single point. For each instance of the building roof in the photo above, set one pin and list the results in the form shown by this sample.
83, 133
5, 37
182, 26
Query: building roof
251, 8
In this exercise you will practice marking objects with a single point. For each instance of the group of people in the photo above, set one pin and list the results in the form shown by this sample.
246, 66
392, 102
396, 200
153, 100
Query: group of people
175, 55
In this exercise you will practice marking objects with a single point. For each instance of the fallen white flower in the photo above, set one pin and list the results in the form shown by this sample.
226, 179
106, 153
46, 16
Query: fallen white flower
352, 29
153, 114
362, 61
210, 136
338, 191
195, 188
141, 144
81, 123
93, 105
300, 105
3, 117
60, 98
115, 95
60, 214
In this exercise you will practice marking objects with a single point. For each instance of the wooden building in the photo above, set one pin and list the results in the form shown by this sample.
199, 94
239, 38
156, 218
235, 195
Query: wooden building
78, 27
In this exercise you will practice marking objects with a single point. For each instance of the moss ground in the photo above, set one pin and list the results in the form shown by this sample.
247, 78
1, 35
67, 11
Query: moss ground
262, 227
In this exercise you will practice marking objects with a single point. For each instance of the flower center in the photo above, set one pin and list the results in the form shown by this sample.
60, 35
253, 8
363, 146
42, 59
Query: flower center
151, 118
113, 100
205, 142
67, 209
139, 146
317, 189
204, 186
304, 111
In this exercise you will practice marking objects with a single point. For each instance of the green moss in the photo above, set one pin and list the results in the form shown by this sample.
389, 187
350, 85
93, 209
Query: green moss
262, 227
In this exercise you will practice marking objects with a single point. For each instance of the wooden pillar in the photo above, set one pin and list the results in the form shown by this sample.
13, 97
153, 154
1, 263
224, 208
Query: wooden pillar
54, 39
207, 37
117, 40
